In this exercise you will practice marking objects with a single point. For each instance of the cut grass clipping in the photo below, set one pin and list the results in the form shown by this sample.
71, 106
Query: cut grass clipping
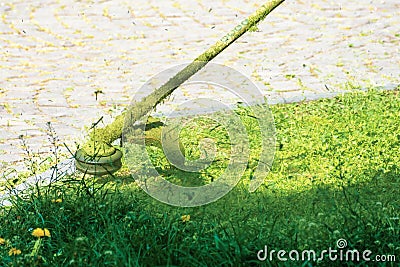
336, 175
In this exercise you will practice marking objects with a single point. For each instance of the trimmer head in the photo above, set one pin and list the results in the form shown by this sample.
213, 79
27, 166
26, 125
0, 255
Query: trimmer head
98, 164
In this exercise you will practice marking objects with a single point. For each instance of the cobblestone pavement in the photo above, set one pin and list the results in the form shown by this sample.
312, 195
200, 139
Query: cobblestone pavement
71, 62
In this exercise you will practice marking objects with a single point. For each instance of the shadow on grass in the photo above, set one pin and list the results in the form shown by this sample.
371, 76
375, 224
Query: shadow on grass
121, 226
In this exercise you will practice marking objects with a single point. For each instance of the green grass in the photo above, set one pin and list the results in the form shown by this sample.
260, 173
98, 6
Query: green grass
336, 175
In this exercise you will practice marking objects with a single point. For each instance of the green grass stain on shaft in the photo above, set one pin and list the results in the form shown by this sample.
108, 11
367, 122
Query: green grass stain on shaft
113, 131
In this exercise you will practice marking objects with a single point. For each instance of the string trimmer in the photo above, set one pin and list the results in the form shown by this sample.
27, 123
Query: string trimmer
99, 157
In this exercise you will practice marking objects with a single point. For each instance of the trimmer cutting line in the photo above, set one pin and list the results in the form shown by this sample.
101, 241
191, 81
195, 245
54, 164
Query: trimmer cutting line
99, 157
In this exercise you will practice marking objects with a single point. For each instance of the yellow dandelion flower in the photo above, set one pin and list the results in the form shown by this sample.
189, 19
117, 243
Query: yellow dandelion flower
58, 200
39, 232
185, 218
14, 252
2, 241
